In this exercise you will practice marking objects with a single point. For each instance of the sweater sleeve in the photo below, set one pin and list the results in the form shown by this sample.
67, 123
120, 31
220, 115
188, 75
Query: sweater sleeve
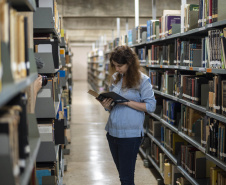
147, 95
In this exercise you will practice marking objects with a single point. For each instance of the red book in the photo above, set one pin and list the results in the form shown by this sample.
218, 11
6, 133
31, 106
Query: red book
210, 11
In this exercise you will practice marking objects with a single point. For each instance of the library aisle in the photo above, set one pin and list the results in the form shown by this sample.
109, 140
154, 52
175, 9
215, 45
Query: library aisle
90, 161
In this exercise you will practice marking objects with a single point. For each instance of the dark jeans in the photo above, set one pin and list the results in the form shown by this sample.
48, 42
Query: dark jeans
124, 152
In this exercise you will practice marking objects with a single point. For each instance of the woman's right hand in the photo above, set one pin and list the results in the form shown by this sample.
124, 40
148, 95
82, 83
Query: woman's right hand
106, 103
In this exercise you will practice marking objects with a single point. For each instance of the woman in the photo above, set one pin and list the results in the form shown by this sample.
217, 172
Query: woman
125, 124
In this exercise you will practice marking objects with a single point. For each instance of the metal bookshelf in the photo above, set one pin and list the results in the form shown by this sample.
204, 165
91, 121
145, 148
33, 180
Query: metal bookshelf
23, 5
44, 23
218, 162
143, 152
189, 104
190, 179
155, 165
171, 157
11, 89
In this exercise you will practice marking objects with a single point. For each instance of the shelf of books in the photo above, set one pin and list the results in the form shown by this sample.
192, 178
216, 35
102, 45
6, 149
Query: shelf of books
186, 66
19, 135
96, 70
53, 101
183, 52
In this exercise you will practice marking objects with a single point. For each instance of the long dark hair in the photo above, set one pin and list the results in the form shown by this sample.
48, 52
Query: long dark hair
124, 55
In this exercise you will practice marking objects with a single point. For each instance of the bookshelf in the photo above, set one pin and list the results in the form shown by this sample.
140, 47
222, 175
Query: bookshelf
96, 70
53, 104
23, 5
13, 93
207, 68
192, 34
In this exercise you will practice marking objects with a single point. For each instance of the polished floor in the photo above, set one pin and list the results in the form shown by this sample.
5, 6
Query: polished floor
90, 161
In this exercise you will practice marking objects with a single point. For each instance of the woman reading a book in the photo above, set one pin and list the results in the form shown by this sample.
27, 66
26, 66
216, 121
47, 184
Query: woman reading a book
125, 123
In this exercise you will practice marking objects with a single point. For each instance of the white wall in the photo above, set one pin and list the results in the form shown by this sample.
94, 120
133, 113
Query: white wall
79, 61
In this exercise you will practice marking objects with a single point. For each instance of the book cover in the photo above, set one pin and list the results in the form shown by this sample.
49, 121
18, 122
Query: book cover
116, 97
223, 85
148, 30
171, 19
193, 16
167, 173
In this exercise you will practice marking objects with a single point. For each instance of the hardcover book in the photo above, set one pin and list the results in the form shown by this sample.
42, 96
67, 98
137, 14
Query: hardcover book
116, 97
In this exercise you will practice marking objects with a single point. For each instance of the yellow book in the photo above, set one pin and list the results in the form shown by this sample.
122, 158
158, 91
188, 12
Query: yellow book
62, 32
167, 173
213, 175
21, 47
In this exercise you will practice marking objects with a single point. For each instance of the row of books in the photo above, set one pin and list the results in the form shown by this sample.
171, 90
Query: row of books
210, 11
189, 157
14, 134
171, 111
197, 89
208, 52
194, 16
162, 81
161, 55
210, 133
15, 33
170, 171
194, 89
142, 54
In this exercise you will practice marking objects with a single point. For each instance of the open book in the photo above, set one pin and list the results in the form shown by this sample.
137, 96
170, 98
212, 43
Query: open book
116, 97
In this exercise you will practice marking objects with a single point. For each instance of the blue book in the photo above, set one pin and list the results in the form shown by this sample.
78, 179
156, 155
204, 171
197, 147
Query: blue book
130, 40
42, 173
151, 30
148, 30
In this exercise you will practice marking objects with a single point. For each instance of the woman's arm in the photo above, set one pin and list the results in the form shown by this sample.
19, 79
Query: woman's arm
136, 105
148, 102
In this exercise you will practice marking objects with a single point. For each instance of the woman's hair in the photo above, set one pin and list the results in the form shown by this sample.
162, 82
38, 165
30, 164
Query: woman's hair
124, 55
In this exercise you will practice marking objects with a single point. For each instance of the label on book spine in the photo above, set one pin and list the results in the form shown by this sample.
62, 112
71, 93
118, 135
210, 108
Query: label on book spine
203, 142
16, 170
216, 107
22, 162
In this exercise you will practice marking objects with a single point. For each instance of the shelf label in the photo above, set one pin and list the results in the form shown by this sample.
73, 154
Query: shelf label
183, 67
201, 149
201, 69
191, 68
176, 67
209, 25
209, 70
188, 104
174, 98
202, 28
160, 66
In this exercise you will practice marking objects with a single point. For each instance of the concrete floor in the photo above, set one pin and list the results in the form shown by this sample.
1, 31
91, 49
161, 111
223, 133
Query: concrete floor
90, 161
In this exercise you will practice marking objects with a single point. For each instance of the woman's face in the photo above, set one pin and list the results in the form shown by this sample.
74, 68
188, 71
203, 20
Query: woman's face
120, 68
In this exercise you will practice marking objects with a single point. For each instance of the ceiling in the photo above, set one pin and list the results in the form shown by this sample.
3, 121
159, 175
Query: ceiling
85, 21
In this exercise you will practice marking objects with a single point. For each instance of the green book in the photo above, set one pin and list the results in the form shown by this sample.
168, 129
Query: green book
193, 16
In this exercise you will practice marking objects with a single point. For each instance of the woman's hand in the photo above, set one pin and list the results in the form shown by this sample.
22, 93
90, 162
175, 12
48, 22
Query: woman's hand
38, 84
106, 103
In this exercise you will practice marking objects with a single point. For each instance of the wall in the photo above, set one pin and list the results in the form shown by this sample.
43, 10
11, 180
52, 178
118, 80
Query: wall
79, 61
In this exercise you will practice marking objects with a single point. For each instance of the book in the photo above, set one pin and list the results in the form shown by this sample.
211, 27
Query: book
116, 97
